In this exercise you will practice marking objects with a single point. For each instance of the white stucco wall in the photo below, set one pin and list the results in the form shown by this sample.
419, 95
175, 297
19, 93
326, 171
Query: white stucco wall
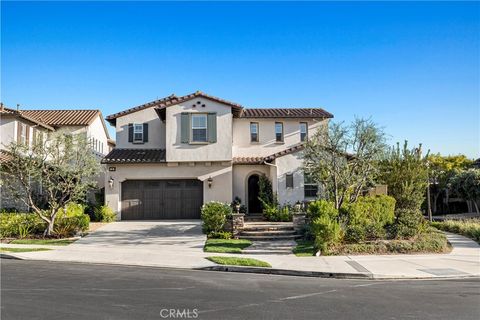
241, 173
156, 130
181, 152
221, 189
8, 131
97, 130
290, 163
267, 144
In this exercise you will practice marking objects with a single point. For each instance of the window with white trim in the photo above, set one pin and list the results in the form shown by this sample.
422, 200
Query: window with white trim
253, 131
279, 131
303, 131
23, 133
199, 128
310, 187
137, 132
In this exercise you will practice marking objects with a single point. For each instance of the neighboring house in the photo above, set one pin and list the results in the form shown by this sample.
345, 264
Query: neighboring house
27, 125
176, 153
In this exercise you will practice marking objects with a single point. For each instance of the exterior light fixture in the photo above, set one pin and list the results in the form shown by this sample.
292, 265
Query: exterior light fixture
210, 181
110, 182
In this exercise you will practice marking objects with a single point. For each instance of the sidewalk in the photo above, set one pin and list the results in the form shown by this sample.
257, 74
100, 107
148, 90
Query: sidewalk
463, 261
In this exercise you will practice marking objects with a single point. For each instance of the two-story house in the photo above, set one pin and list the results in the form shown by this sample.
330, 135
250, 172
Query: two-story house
176, 153
26, 126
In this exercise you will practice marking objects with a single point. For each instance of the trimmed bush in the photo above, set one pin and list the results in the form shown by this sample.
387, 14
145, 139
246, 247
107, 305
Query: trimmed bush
225, 235
273, 212
320, 208
104, 214
71, 221
366, 218
327, 233
20, 225
214, 216
408, 223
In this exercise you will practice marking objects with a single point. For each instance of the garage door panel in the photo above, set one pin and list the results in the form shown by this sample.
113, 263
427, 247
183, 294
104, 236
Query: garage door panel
161, 199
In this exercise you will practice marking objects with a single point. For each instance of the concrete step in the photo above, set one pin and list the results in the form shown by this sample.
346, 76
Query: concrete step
279, 251
270, 238
284, 232
267, 226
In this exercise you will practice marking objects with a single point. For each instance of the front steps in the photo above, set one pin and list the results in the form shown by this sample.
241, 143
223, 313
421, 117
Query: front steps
268, 231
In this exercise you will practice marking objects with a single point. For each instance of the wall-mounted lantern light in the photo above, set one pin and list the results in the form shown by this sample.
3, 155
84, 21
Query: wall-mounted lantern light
110, 182
210, 181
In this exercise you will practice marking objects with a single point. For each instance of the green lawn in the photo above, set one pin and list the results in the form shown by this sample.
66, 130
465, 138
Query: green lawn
234, 261
226, 246
3, 249
51, 242
304, 248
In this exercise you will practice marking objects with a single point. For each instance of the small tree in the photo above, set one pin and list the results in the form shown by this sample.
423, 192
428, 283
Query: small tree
62, 167
265, 191
405, 172
441, 170
344, 158
467, 185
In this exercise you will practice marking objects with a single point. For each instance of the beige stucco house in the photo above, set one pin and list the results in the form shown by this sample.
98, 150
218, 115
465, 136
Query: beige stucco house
28, 125
174, 154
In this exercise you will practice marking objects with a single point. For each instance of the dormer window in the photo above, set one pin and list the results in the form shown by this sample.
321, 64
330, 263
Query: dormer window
199, 128
138, 132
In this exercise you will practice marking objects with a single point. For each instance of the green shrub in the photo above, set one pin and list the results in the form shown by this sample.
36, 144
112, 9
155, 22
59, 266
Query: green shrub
214, 216
104, 214
327, 233
71, 221
408, 223
366, 218
220, 235
320, 208
274, 212
20, 225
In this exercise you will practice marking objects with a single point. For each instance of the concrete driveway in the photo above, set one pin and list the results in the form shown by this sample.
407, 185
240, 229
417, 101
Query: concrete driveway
171, 243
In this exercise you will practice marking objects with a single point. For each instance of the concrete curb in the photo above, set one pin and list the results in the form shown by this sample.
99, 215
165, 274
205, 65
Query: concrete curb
259, 270
286, 272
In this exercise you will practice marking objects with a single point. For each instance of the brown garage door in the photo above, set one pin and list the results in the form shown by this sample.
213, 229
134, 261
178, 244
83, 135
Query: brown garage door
161, 199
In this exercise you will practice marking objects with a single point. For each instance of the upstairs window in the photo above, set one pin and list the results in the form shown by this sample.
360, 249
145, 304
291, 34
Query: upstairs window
253, 131
310, 187
303, 131
199, 128
279, 131
138, 132
22, 133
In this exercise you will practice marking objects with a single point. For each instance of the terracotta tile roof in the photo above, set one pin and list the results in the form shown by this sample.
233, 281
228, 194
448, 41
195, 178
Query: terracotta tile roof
57, 118
286, 113
4, 111
173, 100
135, 156
270, 158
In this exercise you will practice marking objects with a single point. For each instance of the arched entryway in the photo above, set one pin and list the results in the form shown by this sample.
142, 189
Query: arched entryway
254, 205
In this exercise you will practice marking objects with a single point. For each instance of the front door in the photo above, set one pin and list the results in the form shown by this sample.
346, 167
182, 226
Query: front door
254, 205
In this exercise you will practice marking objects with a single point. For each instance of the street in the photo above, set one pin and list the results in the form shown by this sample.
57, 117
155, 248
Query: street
52, 290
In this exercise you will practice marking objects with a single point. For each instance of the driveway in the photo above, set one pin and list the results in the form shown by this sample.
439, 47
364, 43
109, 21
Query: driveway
167, 243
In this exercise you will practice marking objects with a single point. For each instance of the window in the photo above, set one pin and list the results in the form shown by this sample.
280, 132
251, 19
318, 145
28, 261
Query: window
279, 131
137, 132
22, 133
199, 128
289, 180
303, 131
310, 187
254, 131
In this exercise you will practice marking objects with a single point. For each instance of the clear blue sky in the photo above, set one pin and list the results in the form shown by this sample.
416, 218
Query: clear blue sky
413, 67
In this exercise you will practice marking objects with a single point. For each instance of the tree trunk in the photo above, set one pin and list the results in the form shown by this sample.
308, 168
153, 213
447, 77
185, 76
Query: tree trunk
476, 206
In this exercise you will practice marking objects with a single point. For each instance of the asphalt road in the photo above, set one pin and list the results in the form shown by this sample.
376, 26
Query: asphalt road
47, 290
